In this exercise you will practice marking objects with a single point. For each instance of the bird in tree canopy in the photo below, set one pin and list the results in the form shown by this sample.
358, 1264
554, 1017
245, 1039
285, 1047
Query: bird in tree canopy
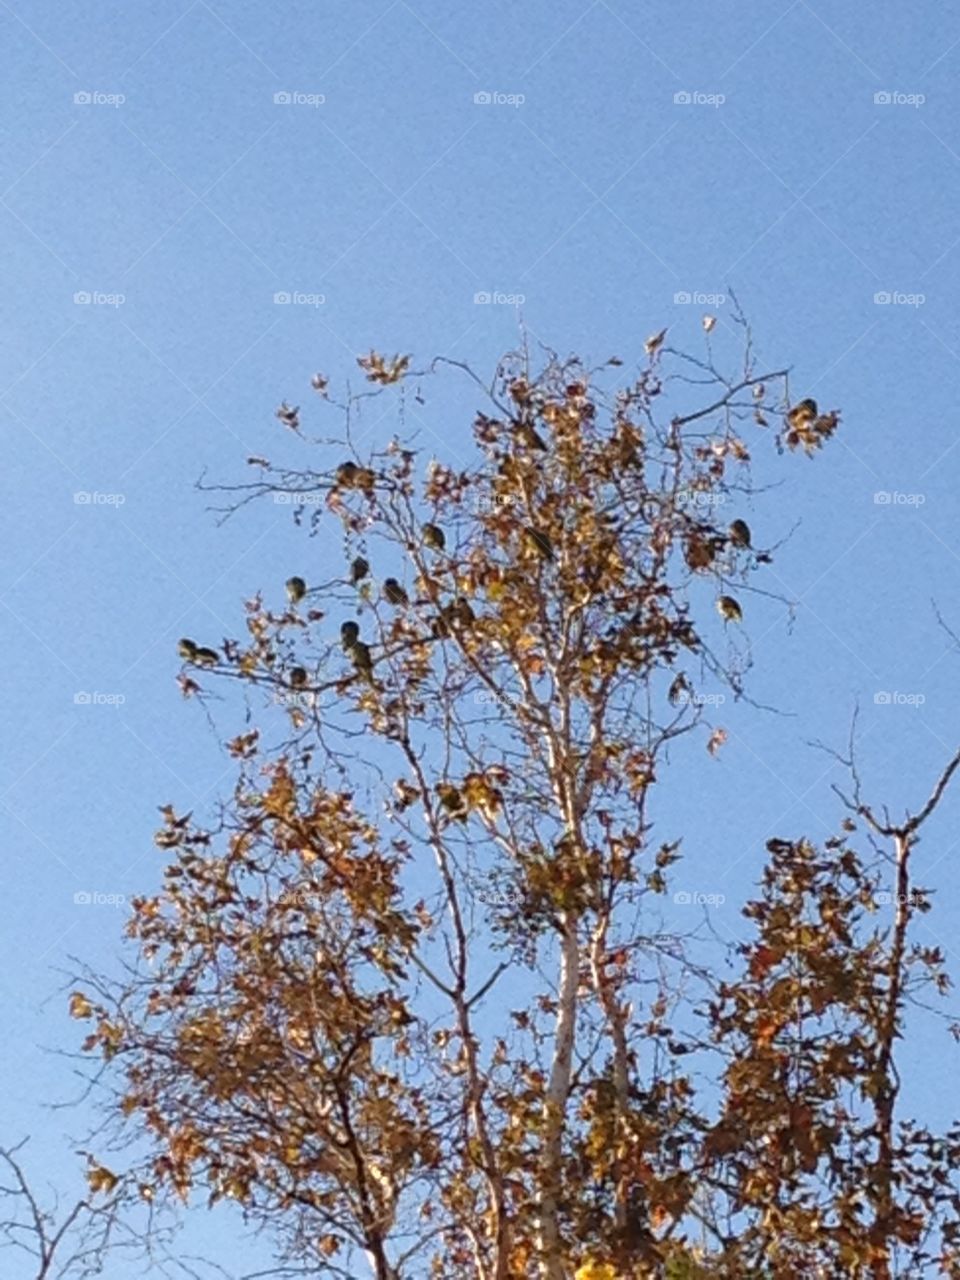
349, 634
187, 649
461, 612
729, 610
528, 436
538, 542
394, 593
654, 343
433, 537
298, 677
452, 800
359, 570
347, 474
296, 589
802, 413
289, 415
206, 657
740, 533
360, 653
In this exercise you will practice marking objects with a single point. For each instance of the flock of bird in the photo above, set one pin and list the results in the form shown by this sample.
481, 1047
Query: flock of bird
351, 476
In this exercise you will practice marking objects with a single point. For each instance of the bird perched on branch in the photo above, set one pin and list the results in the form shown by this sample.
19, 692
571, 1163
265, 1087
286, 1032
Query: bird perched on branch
296, 589
433, 537
729, 610
362, 660
740, 533
358, 570
349, 634
393, 593
206, 657
538, 542
187, 649
527, 435
298, 677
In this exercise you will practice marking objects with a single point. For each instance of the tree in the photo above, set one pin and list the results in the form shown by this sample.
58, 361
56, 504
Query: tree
432, 1036
71, 1241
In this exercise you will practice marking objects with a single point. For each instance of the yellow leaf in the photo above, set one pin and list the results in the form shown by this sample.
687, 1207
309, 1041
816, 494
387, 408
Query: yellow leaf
80, 1006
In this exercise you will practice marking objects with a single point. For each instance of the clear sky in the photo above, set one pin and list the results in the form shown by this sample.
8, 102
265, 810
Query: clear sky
146, 163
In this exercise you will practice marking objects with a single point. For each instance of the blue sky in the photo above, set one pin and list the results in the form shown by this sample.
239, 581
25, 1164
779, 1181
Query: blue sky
180, 197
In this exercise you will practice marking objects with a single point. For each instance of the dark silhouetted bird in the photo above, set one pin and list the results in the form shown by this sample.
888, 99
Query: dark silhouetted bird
394, 593
289, 415
359, 570
433, 537
740, 533
187, 649
349, 634
347, 474
296, 589
529, 437
298, 677
729, 610
538, 542
206, 657
362, 660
